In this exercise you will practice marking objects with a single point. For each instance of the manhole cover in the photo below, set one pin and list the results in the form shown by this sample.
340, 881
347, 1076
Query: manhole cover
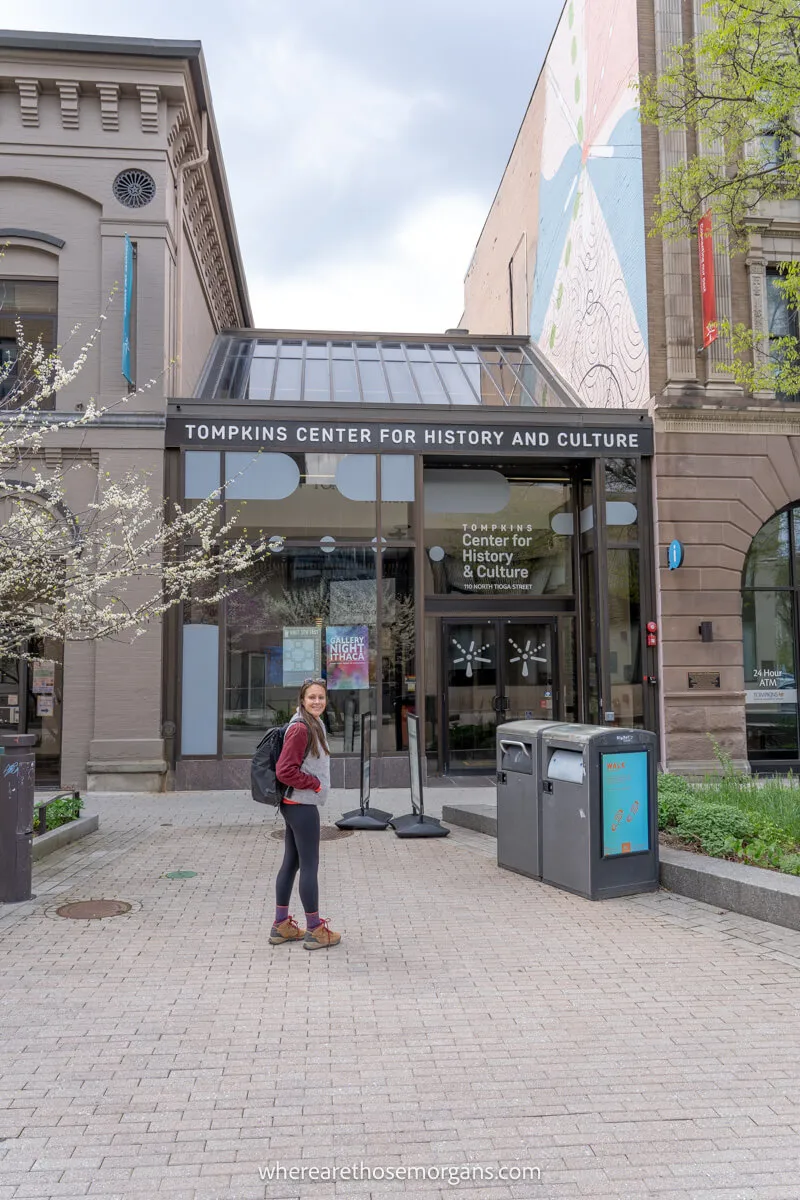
328, 833
181, 874
89, 910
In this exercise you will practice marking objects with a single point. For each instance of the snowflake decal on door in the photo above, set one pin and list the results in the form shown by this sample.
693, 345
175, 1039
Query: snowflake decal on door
470, 656
527, 655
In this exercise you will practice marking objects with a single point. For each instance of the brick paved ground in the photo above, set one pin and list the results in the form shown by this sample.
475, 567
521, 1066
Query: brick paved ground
636, 1048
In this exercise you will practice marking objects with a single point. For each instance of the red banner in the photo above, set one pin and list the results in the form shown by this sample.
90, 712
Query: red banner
708, 291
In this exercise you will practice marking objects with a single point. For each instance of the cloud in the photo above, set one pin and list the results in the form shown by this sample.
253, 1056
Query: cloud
342, 125
415, 286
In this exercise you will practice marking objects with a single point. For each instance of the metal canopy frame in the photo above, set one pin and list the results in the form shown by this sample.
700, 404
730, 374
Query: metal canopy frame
227, 372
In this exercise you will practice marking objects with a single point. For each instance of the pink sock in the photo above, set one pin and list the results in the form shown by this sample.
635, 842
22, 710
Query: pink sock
312, 920
281, 913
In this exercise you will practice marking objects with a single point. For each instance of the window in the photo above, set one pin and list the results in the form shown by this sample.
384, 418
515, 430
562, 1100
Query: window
35, 303
770, 588
777, 147
782, 320
487, 533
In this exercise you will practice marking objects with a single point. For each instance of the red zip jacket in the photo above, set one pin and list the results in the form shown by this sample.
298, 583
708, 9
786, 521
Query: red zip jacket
287, 768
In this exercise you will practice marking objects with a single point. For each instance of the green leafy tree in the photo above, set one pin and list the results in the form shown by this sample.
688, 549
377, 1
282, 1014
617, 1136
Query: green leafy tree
735, 88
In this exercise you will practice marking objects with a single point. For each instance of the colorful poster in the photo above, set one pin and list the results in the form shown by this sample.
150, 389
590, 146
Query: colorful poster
626, 825
302, 654
44, 706
43, 676
347, 657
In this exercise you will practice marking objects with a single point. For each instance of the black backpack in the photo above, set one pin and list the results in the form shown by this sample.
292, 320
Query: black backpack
265, 786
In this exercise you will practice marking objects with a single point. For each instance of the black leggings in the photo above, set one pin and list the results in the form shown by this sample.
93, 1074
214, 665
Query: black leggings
301, 850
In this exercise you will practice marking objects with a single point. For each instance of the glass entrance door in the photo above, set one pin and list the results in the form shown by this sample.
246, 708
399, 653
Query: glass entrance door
30, 702
493, 671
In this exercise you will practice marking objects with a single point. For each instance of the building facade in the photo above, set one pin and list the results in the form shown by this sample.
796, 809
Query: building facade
452, 534
565, 257
105, 139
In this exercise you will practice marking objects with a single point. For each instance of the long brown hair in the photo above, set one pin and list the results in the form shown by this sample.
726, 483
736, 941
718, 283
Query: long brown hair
316, 739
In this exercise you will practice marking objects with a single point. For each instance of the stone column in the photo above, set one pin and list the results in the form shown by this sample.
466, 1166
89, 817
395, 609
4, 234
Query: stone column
757, 273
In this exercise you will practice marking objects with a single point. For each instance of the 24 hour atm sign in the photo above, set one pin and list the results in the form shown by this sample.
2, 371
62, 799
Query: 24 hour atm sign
353, 436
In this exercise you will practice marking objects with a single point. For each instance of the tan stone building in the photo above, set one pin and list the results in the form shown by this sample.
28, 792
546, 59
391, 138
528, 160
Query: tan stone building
564, 256
102, 138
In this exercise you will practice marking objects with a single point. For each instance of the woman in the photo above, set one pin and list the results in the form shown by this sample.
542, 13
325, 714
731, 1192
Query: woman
304, 764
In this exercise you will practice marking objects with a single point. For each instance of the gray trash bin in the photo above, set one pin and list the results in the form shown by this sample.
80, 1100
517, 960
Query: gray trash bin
17, 768
518, 792
599, 811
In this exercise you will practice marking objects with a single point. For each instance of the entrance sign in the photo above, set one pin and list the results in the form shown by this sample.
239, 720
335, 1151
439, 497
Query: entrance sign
534, 437
625, 803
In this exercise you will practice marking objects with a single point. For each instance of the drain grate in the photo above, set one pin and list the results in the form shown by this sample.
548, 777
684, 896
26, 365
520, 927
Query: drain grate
93, 910
328, 833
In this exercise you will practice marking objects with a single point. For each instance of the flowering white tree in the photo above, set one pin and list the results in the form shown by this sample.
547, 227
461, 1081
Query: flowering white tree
119, 558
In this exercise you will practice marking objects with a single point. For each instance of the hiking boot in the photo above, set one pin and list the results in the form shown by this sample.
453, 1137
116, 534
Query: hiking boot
286, 931
320, 937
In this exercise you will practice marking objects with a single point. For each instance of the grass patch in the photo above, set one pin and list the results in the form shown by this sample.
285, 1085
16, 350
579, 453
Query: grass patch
733, 815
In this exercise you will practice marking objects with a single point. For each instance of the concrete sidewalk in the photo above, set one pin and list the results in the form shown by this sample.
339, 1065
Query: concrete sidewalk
643, 1047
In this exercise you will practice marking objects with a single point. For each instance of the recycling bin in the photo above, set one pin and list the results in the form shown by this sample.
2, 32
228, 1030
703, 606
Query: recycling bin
17, 769
518, 796
599, 813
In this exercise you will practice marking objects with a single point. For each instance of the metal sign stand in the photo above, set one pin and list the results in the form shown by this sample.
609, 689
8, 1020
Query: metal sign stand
365, 817
416, 824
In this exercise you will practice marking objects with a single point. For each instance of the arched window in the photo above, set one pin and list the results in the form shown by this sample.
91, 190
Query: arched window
770, 589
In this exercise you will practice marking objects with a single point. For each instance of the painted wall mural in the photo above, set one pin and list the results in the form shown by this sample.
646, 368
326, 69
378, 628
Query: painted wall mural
588, 298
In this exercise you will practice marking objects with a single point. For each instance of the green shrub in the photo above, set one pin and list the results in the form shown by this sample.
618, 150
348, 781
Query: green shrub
60, 812
712, 826
790, 864
674, 794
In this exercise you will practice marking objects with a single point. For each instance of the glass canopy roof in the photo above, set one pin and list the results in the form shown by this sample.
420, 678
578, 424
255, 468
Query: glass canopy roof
255, 367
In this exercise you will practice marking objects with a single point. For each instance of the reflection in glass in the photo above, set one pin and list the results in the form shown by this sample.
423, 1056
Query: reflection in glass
317, 381
471, 682
287, 383
589, 588
259, 384
488, 535
769, 675
398, 649
289, 600
400, 382
767, 563
624, 638
345, 383
315, 504
397, 495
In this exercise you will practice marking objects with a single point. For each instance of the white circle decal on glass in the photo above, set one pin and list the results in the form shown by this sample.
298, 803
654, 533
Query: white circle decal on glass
275, 544
327, 544
436, 553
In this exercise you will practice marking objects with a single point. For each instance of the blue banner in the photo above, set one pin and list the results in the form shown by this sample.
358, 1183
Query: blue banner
127, 305
625, 800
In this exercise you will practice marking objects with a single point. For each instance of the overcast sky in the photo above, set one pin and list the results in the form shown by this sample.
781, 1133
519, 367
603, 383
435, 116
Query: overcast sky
363, 139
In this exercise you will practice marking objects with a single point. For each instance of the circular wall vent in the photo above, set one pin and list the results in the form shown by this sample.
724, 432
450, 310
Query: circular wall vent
134, 188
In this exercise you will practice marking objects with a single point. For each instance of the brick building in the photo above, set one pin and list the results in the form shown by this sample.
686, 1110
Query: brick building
103, 138
564, 256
